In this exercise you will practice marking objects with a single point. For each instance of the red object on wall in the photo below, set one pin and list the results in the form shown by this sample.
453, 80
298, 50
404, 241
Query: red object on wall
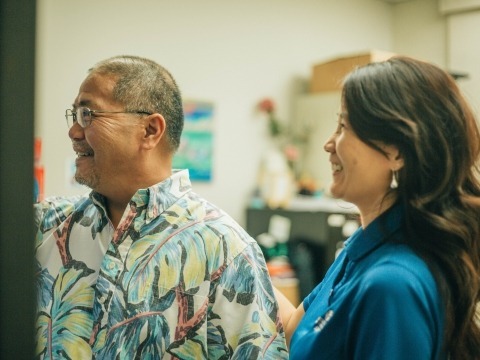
38, 170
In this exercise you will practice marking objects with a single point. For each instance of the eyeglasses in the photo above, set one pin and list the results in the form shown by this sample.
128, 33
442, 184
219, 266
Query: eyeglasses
84, 116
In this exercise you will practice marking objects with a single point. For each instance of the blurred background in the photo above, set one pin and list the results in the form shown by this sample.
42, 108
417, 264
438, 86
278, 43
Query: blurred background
230, 55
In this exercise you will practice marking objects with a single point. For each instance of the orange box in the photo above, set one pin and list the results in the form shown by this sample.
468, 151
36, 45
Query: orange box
328, 76
288, 287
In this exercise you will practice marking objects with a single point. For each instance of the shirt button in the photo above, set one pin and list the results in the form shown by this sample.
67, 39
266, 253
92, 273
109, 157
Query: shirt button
111, 265
102, 300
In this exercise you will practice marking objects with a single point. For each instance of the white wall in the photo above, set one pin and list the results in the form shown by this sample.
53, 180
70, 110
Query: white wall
420, 30
464, 52
232, 53
450, 6
445, 32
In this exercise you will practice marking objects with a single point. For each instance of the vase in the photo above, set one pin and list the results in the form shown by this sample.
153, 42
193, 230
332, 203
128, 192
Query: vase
276, 182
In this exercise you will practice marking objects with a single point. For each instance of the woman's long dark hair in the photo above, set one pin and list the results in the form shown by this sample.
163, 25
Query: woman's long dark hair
419, 108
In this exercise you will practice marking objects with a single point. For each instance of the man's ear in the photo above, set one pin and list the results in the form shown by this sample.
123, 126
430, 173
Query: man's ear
155, 128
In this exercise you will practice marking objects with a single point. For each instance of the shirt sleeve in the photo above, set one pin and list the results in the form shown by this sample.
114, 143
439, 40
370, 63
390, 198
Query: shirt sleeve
395, 315
244, 313
311, 297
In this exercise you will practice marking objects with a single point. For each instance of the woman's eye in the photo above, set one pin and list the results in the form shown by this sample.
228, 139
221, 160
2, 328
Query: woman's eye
340, 126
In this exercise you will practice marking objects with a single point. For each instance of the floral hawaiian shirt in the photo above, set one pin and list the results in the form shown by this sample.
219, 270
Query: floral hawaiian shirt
177, 279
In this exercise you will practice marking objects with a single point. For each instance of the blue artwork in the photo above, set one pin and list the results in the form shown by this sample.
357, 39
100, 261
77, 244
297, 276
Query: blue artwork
196, 146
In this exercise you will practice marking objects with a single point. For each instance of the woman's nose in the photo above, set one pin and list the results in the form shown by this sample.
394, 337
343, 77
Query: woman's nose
329, 145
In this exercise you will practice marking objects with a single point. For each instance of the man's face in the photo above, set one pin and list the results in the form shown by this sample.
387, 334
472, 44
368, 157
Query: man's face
107, 149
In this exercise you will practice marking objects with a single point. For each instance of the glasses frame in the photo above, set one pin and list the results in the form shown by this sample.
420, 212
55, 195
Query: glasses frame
83, 122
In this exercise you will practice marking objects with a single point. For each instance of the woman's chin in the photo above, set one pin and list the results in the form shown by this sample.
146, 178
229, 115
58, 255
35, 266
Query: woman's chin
335, 191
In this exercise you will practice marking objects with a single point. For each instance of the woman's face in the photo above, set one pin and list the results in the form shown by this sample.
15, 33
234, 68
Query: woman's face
361, 174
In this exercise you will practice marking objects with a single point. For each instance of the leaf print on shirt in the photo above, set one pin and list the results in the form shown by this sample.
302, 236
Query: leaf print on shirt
171, 306
145, 260
240, 279
165, 254
44, 283
142, 337
83, 215
71, 320
217, 341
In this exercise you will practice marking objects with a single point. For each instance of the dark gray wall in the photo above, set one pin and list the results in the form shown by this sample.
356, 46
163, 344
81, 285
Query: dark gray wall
17, 60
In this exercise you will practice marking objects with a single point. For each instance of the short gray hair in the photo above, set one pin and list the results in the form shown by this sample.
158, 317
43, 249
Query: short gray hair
143, 85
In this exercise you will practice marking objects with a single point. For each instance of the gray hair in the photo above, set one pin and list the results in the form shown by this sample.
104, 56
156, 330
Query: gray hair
144, 85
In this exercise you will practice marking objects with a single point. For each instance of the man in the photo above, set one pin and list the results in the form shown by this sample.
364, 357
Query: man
142, 267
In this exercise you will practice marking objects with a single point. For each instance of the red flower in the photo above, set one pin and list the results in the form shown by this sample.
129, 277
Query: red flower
267, 105
291, 152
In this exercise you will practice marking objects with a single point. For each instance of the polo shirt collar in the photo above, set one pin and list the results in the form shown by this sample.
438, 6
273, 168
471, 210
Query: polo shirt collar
364, 241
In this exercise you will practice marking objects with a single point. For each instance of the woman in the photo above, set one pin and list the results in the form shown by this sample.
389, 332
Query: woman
407, 283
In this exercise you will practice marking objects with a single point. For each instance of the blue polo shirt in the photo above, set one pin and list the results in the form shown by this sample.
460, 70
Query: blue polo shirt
378, 300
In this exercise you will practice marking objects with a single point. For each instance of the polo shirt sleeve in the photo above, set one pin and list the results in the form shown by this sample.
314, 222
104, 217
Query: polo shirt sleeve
395, 314
331, 274
311, 297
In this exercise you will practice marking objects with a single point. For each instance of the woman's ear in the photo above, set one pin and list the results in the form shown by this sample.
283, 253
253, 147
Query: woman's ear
155, 127
395, 157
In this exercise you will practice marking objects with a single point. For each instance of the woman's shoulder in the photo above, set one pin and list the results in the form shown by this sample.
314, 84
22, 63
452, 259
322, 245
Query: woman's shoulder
396, 268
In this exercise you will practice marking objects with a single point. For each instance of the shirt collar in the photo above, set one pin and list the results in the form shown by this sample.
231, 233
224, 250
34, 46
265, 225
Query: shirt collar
156, 198
364, 241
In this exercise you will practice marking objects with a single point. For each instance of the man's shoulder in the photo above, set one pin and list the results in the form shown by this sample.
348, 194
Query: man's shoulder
218, 219
58, 206
214, 225
58, 202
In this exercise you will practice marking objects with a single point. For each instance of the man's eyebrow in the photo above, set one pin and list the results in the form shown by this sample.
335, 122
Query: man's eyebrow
81, 103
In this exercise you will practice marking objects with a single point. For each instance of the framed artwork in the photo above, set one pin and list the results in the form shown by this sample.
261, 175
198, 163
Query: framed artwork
196, 146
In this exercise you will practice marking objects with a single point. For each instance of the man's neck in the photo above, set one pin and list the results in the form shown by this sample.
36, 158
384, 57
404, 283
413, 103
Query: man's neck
117, 199
115, 210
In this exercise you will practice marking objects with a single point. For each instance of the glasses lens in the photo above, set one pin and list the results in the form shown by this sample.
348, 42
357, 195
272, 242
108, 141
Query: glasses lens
70, 117
84, 116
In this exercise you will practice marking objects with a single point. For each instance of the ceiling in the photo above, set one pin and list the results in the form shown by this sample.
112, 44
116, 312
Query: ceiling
395, 1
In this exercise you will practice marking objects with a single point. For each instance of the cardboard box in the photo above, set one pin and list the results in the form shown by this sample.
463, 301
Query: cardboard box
328, 76
288, 287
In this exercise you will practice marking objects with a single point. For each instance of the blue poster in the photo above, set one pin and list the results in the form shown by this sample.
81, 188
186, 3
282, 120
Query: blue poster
196, 145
